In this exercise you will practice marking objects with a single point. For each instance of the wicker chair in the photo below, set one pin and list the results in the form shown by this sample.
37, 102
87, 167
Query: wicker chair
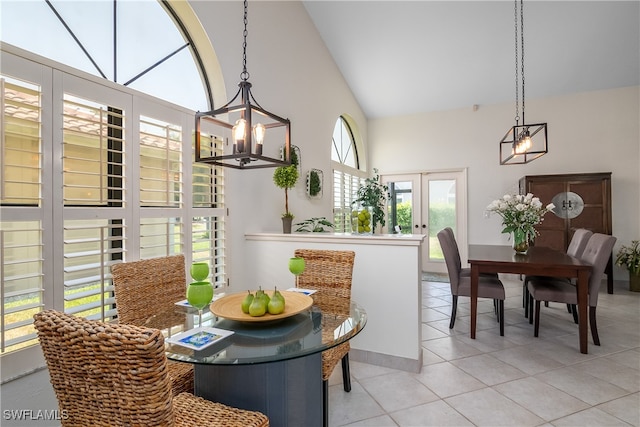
152, 286
116, 375
329, 273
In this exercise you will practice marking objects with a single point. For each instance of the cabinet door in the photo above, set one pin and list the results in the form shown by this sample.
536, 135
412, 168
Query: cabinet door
594, 213
553, 230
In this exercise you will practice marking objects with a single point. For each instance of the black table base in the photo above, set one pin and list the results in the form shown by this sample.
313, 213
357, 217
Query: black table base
289, 392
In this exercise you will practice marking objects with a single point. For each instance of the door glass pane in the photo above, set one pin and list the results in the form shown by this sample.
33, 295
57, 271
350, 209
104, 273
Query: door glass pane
400, 207
442, 212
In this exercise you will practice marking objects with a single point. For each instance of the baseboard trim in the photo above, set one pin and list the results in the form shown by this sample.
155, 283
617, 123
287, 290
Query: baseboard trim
386, 360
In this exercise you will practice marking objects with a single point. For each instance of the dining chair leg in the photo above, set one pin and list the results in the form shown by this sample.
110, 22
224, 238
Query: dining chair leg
346, 374
525, 303
501, 316
593, 325
569, 308
325, 403
454, 306
574, 310
531, 311
536, 326
495, 310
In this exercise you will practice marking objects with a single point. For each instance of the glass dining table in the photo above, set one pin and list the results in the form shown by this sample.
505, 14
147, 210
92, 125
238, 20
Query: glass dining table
274, 367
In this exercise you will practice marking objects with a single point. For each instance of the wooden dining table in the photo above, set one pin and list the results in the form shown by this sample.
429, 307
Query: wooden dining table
539, 261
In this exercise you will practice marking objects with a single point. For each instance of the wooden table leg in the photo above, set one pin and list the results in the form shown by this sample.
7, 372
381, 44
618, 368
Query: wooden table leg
582, 288
474, 298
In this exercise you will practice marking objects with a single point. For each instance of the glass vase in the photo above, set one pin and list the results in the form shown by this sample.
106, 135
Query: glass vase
520, 242
362, 220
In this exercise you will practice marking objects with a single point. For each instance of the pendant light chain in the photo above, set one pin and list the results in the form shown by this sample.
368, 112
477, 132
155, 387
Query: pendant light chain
245, 74
515, 32
524, 142
522, 53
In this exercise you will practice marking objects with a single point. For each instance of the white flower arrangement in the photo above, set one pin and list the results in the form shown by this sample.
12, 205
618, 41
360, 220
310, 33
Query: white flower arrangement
520, 214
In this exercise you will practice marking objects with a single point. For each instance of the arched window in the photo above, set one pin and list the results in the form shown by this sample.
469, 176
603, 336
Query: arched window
347, 174
110, 40
126, 186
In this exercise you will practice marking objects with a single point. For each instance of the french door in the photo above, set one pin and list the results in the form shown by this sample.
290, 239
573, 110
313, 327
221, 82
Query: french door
425, 203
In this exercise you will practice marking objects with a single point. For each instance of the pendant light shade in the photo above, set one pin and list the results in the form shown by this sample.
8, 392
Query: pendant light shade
257, 136
522, 143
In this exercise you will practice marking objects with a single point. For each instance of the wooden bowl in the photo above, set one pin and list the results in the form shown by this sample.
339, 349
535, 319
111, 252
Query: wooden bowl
230, 307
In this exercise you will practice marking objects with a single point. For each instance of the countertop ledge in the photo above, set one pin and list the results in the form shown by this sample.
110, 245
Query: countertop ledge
372, 239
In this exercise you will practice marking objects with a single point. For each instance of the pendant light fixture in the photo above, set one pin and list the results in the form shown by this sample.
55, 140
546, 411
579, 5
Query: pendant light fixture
251, 126
524, 142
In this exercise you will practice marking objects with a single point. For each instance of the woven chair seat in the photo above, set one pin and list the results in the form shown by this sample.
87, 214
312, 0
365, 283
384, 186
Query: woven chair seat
193, 411
116, 375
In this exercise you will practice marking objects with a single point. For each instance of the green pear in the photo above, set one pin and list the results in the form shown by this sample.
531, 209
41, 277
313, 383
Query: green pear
263, 295
246, 302
276, 305
258, 307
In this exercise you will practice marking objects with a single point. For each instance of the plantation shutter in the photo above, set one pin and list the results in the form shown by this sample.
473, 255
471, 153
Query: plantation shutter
345, 187
21, 242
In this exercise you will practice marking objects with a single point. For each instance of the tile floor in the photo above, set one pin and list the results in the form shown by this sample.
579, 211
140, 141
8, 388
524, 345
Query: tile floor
515, 380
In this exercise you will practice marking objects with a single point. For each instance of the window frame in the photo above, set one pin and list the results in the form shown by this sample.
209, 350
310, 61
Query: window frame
57, 79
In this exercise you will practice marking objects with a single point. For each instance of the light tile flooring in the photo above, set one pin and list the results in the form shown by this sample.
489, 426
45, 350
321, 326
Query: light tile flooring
515, 380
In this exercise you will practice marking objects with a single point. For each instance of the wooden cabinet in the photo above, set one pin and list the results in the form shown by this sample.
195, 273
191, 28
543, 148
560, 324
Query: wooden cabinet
582, 201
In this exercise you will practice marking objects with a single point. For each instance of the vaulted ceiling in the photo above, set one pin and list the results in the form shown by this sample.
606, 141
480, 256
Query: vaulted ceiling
405, 57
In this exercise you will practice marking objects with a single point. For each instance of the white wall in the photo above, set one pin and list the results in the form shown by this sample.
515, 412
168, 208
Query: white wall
294, 76
587, 132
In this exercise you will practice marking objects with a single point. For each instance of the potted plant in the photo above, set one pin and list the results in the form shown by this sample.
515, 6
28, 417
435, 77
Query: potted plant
314, 225
371, 196
629, 257
286, 177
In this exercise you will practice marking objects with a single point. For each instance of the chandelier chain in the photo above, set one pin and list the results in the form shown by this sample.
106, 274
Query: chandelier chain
245, 74
515, 14
522, 53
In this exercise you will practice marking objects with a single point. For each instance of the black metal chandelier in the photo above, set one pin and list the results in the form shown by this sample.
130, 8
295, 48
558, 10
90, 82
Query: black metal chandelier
522, 143
248, 131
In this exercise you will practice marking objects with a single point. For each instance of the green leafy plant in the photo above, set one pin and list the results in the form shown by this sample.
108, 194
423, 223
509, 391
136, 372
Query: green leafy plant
314, 183
373, 194
314, 225
629, 257
286, 177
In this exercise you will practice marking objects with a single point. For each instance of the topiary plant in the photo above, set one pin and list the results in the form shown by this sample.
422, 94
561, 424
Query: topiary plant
286, 177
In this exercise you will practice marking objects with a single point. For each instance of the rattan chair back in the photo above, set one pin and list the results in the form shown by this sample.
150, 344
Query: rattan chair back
147, 287
109, 374
105, 374
151, 287
329, 273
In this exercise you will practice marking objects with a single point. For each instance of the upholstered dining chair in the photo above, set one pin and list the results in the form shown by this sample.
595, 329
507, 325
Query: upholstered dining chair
576, 247
489, 286
329, 273
148, 287
596, 253
109, 374
464, 271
